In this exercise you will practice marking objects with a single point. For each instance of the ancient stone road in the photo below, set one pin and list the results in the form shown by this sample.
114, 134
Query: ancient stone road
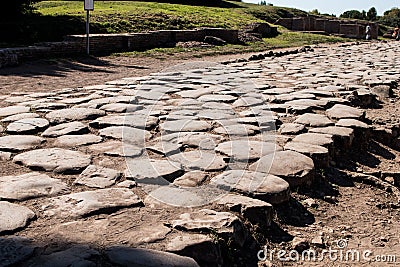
170, 162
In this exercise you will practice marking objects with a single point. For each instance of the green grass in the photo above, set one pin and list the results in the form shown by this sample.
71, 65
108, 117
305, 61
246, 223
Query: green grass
133, 16
284, 40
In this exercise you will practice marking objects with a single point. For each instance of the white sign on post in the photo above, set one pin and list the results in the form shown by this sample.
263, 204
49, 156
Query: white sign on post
89, 5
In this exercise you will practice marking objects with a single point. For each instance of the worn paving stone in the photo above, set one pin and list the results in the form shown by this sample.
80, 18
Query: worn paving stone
98, 176
121, 107
255, 210
57, 160
27, 126
151, 232
79, 255
77, 140
13, 110
200, 247
343, 137
340, 111
297, 169
185, 126
30, 185
74, 114
127, 134
136, 120
72, 128
115, 148
124, 256
291, 128
245, 150
352, 123
314, 120
206, 141
14, 217
225, 224
237, 129
318, 139
83, 204
200, 160
319, 154
217, 98
191, 179
266, 187
20, 116
14, 250
150, 171
16, 143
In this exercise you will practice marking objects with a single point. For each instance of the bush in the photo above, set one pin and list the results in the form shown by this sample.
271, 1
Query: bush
15, 8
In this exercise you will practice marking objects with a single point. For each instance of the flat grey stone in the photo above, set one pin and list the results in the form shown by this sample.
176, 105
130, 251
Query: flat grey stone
72, 128
255, 210
291, 128
1, 129
237, 130
123, 256
185, 126
54, 159
76, 256
200, 160
340, 111
74, 114
191, 179
77, 140
217, 98
202, 248
314, 120
318, 139
246, 101
204, 141
98, 176
216, 114
15, 143
12, 110
225, 224
245, 150
150, 171
352, 123
343, 137
266, 187
297, 169
20, 116
30, 185
27, 126
114, 100
141, 121
121, 107
148, 233
127, 184
14, 250
117, 149
127, 134
319, 154
13, 216
82, 204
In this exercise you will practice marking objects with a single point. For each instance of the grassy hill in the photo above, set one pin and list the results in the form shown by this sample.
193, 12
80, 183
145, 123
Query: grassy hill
55, 19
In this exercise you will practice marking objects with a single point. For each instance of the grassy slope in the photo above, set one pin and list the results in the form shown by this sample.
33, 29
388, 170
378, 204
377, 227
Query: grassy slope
123, 16
55, 19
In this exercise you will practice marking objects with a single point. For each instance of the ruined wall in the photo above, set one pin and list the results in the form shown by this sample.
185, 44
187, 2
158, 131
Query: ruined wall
110, 43
347, 28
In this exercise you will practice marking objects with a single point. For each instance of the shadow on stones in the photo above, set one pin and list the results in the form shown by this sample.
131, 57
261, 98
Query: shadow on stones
59, 67
294, 213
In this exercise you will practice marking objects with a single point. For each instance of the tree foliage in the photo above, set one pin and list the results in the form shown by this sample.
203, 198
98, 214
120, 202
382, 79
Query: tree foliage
372, 14
391, 17
353, 14
15, 8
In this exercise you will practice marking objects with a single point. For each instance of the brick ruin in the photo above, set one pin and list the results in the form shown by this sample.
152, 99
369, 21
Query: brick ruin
345, 28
